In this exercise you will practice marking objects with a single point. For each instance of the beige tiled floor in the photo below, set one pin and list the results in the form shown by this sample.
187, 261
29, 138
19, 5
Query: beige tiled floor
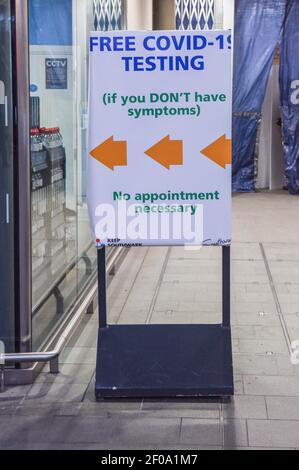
161, 285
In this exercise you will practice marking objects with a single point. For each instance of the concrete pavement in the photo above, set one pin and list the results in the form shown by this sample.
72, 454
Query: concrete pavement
170, 285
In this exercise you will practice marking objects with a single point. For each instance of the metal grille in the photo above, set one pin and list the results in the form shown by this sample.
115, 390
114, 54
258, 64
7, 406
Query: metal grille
108, 15
195, 14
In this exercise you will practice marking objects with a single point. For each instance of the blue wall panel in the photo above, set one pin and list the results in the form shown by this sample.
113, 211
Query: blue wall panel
258, 27
289, 81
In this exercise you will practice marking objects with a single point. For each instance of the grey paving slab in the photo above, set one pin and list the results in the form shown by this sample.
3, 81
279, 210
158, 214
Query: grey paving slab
262, 211
189, 291
13, 395
48, 409
200, 432
289, 308
248, 297
106, 447
86, 337
109, 408
183, 408
180, 413
187, 306
284, 271
254, 332
263, 364
283, 408
134, 316
86, 430
140, 298
26, 430
257, 364
210, 318
239, 385
275, 346
245, 407
289, 297
285, 367
79, 355
292, 321
287, 287
201, 253
194, 275
234, 433
254, 308
172, 317
69, 373
255, 318
240, 251
8, 409
293, 334
282, 251
259, 449
129, 431
273, 434
272, 385
249, 272
246, 251
256, 288
56, 393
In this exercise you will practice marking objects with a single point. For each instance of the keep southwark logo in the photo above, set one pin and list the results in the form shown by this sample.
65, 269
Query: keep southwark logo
99, 243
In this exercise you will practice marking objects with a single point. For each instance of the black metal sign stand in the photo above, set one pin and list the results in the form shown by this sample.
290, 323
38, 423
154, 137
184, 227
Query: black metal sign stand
155, 361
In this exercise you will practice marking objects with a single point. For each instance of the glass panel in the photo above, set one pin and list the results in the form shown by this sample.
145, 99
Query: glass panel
83, 9
7, 333
54, 166
64, 259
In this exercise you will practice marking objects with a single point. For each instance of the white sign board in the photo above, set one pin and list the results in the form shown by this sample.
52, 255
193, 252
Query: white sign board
159, 170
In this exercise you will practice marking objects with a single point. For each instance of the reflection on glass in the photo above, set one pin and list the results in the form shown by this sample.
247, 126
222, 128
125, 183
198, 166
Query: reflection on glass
63, 258
7, 326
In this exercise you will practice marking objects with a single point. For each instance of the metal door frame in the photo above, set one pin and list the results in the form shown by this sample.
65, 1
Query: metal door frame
22, 175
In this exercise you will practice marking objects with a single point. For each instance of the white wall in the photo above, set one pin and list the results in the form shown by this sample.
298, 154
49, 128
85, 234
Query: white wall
139, 14
228, 14
271, 164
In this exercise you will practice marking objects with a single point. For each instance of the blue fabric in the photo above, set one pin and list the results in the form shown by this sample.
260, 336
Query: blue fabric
289, 84
50, 23
258, 27
244, 140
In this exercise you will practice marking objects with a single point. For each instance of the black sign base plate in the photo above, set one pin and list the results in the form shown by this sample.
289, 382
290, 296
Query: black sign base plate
170, 361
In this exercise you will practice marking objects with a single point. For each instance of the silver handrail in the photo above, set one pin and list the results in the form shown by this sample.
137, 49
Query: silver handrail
52, 356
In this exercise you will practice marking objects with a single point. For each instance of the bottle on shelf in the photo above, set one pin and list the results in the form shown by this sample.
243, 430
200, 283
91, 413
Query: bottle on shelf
35, 140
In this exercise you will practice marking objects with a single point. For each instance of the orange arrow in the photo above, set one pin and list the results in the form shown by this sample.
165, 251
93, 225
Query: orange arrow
111, 153
220, 151
167, 152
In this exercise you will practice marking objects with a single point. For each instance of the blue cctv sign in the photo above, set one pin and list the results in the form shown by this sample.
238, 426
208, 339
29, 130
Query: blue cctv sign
56, 74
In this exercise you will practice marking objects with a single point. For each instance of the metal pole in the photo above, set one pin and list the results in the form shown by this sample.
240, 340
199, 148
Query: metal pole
102, 283
226, 274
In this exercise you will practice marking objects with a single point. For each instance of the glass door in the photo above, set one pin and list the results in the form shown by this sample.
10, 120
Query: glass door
7, 321
63, 255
